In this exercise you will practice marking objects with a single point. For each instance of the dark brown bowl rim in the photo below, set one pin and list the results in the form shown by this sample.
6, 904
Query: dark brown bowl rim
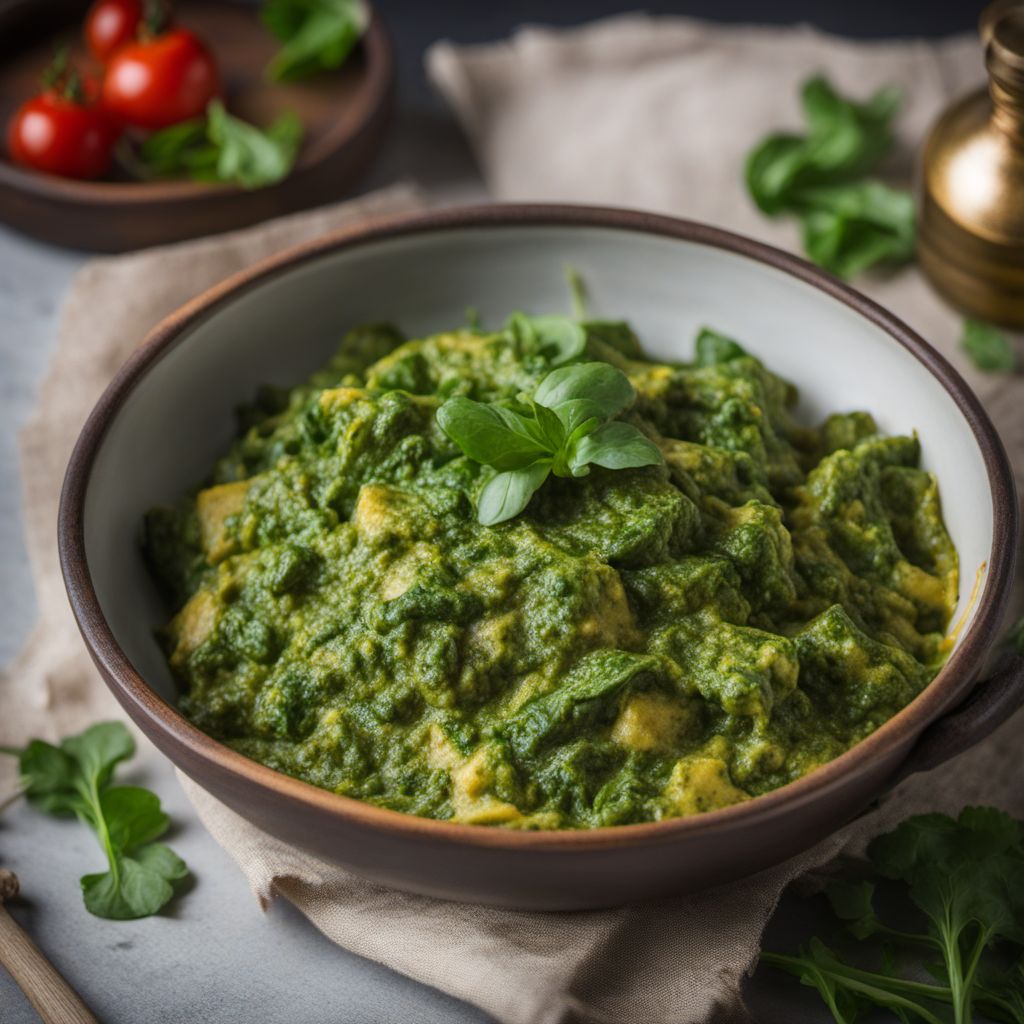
378, 74
144, 705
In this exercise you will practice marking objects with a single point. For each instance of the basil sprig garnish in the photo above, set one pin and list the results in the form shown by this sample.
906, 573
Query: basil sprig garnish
568, 429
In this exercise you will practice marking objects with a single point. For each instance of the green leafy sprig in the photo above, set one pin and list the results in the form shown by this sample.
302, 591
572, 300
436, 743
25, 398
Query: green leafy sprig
316, 35
849, 223
988, 348
222, 147
569, 427
75, 778
963, 880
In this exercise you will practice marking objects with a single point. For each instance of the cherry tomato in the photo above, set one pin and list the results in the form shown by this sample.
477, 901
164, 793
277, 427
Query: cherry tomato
62, 135
157, 82
111, 24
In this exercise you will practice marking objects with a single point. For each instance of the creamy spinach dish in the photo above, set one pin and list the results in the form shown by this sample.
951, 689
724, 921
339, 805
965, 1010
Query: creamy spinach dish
597, 589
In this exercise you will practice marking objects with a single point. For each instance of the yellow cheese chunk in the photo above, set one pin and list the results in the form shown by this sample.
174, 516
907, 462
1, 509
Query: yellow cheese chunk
213, 507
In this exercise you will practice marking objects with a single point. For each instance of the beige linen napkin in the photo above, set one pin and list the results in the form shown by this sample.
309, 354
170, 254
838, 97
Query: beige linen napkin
553, 116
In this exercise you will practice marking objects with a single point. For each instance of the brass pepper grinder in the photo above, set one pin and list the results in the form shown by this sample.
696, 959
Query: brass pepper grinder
971, 239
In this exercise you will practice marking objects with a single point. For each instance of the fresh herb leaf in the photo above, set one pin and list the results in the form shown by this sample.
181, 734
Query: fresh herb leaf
713, 348
222, 147
75, 779
990, 350
616, 335
849, 224
963, 876
317, 35
586, 390
505, 495
490, 434
850, 228
615, 446
248, 156
557, 338
844, 141
566, 431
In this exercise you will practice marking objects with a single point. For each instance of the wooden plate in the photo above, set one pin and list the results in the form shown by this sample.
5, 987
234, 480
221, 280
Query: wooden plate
345, 114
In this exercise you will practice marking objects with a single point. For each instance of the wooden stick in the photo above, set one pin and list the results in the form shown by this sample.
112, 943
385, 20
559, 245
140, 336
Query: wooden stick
51, 996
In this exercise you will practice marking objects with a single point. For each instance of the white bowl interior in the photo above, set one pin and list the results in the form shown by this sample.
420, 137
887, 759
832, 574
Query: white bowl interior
180, 415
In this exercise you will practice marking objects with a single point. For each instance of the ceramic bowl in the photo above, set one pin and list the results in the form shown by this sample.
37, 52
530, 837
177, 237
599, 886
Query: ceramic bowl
168, 414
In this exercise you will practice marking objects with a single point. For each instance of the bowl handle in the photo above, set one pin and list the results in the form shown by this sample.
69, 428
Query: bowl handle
990, 703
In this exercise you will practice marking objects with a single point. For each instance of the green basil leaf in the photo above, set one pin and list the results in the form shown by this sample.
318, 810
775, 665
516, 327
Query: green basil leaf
490, 434
99, 749
136, 886
848, 224
318, 35
250, 157
713, 348
616, 446
616, 334
580, 392
506, 494
771, 169
990, 350
845, 140
179, 148
551, 431
557, 338
850, 228
48, 776
133, 816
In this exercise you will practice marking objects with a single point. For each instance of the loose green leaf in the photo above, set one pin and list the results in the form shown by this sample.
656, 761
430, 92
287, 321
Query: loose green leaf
616, 446
850, 228
617, 335
75, 778
248, 156
317, 35
222, 147
849, 224
505, 495
990, 350
135, 886
557, 338
844, 141
490, 434
713, 348
965, 876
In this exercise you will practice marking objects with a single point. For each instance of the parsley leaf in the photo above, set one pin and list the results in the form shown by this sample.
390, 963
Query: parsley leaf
990, 350
222, 147
74, 778
849, 224
963, 878
316, 35
565, 432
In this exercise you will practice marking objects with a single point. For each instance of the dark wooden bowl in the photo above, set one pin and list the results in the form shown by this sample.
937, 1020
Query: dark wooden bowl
168, 414
345, 114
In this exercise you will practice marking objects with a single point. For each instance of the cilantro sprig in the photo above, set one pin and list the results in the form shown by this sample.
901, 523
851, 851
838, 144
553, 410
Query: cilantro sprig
316, 35
222, 147
568, 426
76, 779
947, 900
850, 223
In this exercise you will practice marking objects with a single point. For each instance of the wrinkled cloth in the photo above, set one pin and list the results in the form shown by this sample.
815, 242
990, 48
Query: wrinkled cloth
633, 111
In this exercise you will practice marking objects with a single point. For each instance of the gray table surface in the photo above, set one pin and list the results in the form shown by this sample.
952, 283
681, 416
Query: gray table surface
215, 957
